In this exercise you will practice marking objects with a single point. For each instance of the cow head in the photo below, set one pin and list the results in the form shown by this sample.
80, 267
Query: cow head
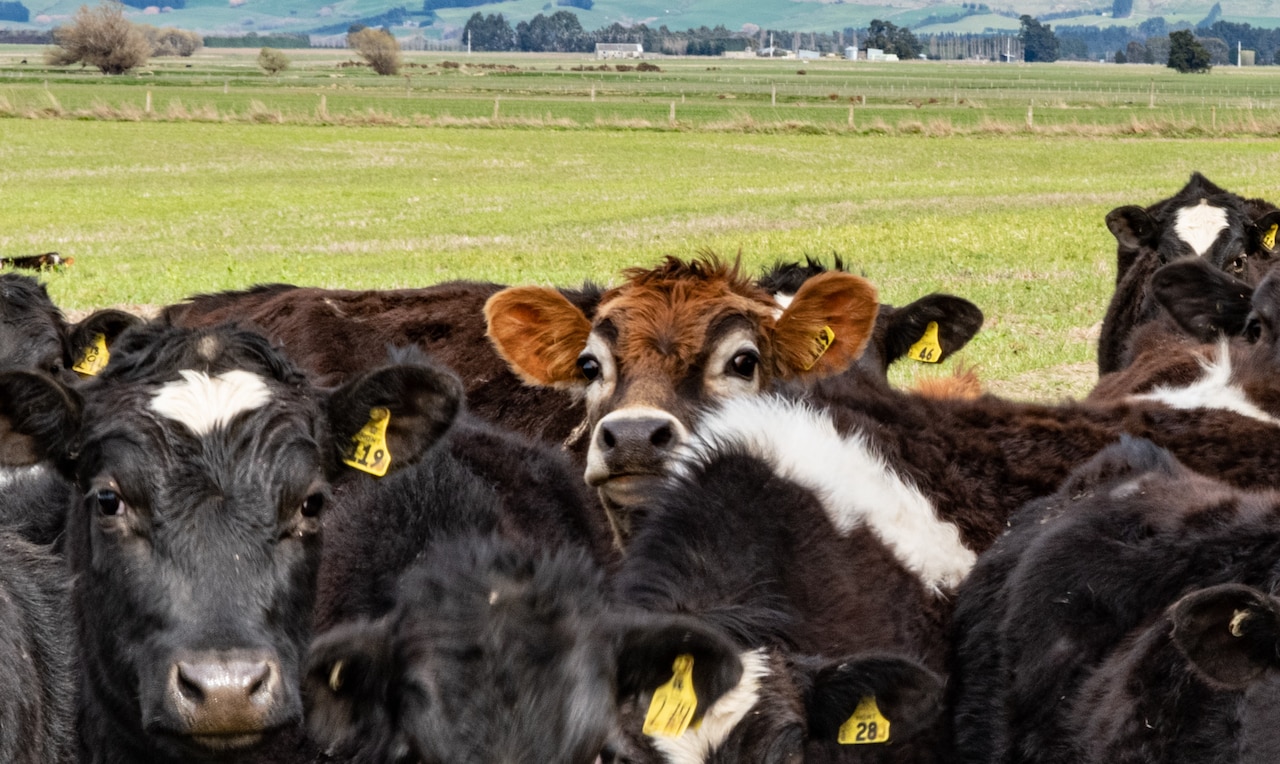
202, 460
491, 654
667, 343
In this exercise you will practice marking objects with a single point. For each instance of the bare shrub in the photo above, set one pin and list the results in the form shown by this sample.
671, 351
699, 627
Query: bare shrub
272, 61
645, 66
378, 47
173, 42
101, 37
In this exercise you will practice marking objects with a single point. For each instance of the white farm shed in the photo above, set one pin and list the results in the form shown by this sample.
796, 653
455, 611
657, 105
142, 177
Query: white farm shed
619, 50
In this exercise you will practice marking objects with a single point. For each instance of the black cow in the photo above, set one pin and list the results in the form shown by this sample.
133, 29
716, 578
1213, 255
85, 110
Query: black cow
37, 705
1235, 235
1125, 618
496, 653
34, 334
898, 329
201, 461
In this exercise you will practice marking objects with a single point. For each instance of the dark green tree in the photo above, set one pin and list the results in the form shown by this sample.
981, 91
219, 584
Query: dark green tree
1136, 52
1121, 9
1121, 58
891, 38
490, 32
1186, 54
560, 33
1039, 43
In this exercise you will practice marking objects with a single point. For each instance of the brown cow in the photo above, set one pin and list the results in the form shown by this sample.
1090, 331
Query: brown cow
667, 343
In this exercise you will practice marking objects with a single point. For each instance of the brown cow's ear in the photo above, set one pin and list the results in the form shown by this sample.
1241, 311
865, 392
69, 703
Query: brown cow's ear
539, 334
826, 326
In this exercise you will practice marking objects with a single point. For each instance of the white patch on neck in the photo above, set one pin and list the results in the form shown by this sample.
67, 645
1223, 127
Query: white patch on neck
11, 475
718, 723
1199, 226
1212, 391
854, 483
202, 402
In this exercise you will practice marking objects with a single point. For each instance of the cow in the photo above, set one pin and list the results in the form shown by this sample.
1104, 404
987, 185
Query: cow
202, 461
1128, 617
664, 345
37, 669
496, 652
929, 330
1235, 235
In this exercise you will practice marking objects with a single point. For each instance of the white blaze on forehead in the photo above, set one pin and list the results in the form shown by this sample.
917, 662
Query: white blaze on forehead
1199, 226
202, 402
1213, 390
719, 721
856, 486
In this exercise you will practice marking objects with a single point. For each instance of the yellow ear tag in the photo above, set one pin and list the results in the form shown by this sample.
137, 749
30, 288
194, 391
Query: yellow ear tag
1269, 238
927, 349
867, 725
820, 345
95, 357
673, 703
368, 449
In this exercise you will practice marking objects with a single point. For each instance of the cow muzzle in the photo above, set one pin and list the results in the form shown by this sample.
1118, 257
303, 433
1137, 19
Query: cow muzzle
630, 453
225, 700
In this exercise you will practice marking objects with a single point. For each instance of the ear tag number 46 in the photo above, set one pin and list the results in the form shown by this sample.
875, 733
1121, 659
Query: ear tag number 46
867, 725
368, 449
94, 359
674, 703
927, 349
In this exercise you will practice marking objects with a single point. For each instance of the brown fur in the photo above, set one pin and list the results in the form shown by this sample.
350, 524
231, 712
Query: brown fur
962, 384
535, 329
842, 302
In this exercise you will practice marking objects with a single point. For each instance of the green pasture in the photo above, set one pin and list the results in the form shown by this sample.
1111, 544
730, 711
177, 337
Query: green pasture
157, 206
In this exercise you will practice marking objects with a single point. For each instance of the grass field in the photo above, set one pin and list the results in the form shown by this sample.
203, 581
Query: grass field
154, 207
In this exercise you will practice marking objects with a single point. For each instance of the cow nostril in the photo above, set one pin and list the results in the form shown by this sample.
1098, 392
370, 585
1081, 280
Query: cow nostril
188, 687
662, 437
606, 435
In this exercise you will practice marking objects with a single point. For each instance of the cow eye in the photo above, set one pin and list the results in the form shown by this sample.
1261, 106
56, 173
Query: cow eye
108, 502
312, 505
1237, 265
1253, 329
744, 364
589, 366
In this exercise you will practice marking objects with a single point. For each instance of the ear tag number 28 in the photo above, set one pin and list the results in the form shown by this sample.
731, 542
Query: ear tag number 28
866, 725
674, 703
95, 357
368, 451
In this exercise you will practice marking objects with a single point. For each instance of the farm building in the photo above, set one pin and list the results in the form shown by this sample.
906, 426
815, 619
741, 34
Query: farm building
619, 50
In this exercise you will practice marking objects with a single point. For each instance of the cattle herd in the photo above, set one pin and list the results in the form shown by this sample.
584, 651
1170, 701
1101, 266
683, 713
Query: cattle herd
682, 520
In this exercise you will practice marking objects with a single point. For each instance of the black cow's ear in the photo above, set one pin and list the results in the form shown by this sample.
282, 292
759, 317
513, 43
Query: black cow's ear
39, 419
1264, 234
653, 650
1230, 633
346, 683
390, 417
1202, 299
931, 328
93, 337
1132, 226
870, 699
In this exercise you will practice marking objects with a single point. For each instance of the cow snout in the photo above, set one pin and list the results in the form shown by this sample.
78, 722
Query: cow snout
638, 445
225, 696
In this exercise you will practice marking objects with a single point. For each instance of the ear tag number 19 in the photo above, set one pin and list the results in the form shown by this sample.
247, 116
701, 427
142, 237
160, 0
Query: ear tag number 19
866, 725
95, 357
927, 349
674, 703
368, 451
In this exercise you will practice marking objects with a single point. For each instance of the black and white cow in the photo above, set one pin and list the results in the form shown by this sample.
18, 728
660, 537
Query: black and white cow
202, 461
1126, 618
494, 653
37, 706
1236, 235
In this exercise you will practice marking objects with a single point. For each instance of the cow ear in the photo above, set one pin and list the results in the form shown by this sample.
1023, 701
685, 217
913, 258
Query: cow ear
539, 333
1132, 226
402, 410
648, 646
39, 419
346, 683
1203, 300
95, 334
826, 326
899, 690
931, 328
1230, 633
1264, 234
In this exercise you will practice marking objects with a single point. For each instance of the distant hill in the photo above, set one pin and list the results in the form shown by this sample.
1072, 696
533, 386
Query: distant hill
408, 17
